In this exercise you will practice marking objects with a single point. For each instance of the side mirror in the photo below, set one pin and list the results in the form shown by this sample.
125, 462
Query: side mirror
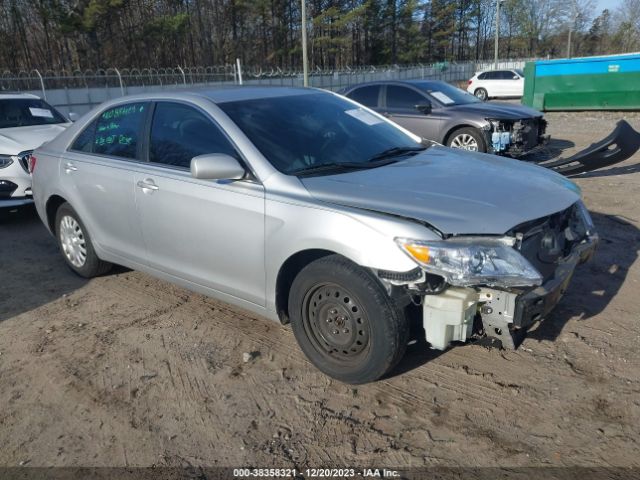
216, 166
73, 116
424, 108
516, 77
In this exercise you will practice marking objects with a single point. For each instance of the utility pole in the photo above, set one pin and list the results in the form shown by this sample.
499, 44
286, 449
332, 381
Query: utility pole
305, 57
498, 3
571, 24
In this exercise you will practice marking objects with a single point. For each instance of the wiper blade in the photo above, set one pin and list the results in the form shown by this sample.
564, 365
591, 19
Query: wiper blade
397, 152
330, 167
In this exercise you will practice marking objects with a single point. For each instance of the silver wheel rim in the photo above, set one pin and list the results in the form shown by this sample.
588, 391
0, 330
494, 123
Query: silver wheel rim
481, 95
464, 141
72, 241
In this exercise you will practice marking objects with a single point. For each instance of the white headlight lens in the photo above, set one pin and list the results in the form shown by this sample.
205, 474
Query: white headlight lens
473, 261
5, 161
586, 218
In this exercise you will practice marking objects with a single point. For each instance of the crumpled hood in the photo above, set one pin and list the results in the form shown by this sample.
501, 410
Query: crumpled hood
456, 192
497, 110
18, 139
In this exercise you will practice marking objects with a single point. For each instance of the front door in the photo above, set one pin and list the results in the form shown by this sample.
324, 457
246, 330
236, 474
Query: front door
400, 107
204, 231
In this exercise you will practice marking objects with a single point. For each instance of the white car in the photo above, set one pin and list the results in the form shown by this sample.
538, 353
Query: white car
26, 122
497, 83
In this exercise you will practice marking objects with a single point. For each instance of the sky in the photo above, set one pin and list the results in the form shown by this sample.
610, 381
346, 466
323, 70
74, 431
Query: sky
610, 4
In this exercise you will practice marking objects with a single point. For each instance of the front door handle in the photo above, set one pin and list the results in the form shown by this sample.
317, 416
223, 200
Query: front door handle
148, 184
70, 167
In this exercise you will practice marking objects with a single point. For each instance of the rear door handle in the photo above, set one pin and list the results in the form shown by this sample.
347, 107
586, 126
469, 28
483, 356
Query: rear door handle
148, 184
70, 167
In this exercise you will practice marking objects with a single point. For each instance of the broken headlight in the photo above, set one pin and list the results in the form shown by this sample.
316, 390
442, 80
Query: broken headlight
473, 261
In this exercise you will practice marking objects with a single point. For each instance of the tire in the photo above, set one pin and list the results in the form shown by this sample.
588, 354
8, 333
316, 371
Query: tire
75, 244
344, 321
482, 94
471, 137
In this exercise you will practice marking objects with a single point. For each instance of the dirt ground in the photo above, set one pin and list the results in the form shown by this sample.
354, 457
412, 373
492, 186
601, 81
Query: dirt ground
126, 370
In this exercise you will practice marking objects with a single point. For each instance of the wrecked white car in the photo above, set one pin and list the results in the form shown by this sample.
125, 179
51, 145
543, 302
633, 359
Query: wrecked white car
309, 209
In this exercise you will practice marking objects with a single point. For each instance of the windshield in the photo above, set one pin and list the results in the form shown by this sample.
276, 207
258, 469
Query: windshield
446, 94
306, 132
519, 72
25, 112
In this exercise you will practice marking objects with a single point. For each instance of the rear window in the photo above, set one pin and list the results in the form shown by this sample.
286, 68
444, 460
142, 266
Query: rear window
26, 112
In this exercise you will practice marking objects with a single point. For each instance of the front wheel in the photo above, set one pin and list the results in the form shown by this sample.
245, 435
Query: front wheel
75, 244
345, 322
467, 139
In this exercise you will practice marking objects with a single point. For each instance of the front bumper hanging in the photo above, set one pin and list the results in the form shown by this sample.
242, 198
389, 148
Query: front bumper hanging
620, 145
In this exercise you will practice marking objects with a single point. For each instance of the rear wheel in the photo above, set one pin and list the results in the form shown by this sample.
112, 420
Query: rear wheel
75, 244
467, 139
482, 94
345, 322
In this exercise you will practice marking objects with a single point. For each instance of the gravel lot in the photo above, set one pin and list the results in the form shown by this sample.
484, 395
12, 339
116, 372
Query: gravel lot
126, 370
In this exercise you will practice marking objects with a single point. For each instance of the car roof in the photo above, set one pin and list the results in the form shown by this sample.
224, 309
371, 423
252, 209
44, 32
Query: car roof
415, 83
498, 70
16, 95
217, 95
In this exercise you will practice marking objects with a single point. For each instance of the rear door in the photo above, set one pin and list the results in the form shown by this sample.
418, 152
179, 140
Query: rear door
400, 107
368, 95
97, 173
204, 231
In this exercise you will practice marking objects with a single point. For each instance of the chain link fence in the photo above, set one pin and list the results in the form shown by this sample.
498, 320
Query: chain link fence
79, 91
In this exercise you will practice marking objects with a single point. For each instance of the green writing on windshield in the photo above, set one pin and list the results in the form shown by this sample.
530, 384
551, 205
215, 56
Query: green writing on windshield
121, 112
108, 126
111, 139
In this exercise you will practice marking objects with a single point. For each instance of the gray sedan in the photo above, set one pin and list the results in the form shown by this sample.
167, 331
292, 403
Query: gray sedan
445, 114
303, 206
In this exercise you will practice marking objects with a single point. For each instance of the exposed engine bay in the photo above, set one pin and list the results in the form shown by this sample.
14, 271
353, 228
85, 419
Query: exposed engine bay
516, 138
554, 245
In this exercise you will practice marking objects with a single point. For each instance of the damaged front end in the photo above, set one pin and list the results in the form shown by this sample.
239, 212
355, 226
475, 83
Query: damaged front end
494, 287
516, 137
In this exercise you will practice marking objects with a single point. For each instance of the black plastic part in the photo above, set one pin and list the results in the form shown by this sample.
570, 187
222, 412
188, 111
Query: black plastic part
621, 144
7, 188
410, 276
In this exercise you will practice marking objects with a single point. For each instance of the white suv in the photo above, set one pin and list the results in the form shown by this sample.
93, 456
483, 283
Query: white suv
497, 83
26, 122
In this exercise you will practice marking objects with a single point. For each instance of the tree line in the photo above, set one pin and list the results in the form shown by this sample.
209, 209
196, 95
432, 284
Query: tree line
90, 34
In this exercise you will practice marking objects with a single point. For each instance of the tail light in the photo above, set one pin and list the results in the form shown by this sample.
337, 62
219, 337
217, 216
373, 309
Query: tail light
31, 163
470, 82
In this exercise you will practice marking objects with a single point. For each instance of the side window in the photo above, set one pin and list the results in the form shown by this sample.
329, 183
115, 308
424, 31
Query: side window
506, 75
490, 76
84, 141
180, 132
403, 97
482, 76
117, 130
367, 96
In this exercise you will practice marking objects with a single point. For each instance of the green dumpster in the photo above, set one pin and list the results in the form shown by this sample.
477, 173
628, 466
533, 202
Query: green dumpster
590, 83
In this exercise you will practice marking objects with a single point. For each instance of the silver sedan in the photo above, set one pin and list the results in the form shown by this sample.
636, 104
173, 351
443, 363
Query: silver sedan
310, 209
